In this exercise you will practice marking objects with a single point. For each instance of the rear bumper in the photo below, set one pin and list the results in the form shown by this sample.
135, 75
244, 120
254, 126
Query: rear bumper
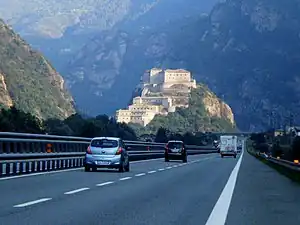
92, 161
174, 156
228, 153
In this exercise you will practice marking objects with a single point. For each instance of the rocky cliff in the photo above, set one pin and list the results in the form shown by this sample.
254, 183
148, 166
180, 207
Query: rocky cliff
215, 107
28, 81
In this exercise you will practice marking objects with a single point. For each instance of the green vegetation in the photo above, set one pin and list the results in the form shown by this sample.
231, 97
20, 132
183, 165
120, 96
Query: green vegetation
193, 119
163, 135
253, 147
29, 81
14, 120
286, 146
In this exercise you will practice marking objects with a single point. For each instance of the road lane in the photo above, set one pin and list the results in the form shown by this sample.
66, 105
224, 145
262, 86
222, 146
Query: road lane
24, 189
184, 194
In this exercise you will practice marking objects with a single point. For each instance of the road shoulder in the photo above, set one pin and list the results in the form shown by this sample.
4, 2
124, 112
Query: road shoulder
263, 196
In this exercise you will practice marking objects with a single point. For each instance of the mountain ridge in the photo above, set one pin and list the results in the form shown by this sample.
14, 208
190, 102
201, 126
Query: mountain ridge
28, 80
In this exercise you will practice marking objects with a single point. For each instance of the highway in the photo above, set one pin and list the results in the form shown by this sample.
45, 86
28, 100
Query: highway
207, 190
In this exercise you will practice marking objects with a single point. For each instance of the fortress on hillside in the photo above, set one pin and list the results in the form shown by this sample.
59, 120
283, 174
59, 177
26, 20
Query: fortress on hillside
162, 92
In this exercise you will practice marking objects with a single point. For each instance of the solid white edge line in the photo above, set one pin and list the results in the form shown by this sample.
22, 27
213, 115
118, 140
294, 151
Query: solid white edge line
221, 208
140, 174
125, 178
76, 191
105, 183
32, 202
39, 173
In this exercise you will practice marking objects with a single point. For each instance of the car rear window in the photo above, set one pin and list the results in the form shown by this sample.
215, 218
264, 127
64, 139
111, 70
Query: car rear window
104, 143
175, 145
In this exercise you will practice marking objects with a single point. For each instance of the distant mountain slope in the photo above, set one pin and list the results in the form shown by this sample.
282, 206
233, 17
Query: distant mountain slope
108, 62
247, 51
28, 81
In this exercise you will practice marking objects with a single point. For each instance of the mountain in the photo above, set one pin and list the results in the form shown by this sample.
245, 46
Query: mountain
28, 81
107, 62
60, 28
246, 51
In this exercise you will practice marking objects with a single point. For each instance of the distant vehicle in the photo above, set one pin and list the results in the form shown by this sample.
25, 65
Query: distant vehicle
175, 150
107, 152
218, 148
216, 143
240, 145
228, 146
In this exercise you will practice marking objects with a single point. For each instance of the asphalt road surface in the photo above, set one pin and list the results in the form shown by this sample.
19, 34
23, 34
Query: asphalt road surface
202, 191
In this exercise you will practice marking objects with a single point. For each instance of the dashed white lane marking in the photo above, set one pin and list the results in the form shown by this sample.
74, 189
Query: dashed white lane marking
76, 191
125, 178
32, 202
220, 211
162, 169
103, 184
175, 166
169, 167
153, 171
140, 174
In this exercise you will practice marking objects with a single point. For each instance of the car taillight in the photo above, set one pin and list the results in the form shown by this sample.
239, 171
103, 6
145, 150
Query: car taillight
166, 149
88, 151
119, 151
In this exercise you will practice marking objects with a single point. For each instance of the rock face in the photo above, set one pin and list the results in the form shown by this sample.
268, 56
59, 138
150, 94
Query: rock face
28, 81
217, 108
5, 98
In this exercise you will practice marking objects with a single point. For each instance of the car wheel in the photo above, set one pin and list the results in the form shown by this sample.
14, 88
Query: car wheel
122, 167
87, 169
184, 159
127, 168
222, 156
234, 156
167, 160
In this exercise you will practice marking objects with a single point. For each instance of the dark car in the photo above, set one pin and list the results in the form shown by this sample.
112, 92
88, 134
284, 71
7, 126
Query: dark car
175, 150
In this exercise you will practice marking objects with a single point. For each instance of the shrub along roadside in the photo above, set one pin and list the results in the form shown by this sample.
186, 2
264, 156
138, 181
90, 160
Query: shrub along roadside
293, 175
14, 120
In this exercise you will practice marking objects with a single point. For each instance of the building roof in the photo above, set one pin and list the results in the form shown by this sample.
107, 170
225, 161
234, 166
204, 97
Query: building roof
177, 71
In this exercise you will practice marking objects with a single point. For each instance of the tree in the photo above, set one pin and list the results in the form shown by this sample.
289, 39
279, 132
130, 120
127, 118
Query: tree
296, 148
161, 135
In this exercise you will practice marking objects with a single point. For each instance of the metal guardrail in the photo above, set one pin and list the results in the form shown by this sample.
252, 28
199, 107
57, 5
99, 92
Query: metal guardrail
17, 164
285, 163
38, 143
22, 153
